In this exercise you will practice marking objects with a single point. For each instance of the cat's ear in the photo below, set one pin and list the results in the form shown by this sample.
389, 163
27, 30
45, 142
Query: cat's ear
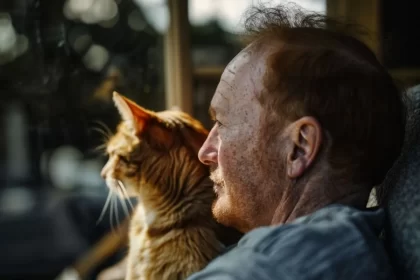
132, 113
144, 122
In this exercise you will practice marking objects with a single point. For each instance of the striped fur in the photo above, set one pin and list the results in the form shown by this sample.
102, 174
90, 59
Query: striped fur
154, 155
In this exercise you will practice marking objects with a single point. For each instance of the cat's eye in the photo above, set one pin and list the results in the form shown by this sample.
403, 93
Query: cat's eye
124, 159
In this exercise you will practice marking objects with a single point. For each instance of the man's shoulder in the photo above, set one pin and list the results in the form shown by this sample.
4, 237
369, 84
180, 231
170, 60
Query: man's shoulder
337, 223
336, 242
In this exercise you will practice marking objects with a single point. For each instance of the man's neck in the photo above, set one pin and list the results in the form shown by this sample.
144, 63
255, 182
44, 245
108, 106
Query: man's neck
303, 199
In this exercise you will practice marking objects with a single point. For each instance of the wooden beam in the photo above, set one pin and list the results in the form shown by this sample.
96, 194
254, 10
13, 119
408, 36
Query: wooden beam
213, 72
178, 62
364, 12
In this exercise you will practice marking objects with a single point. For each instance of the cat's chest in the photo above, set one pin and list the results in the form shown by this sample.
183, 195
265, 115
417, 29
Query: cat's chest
140, 222
144, 216
141, 252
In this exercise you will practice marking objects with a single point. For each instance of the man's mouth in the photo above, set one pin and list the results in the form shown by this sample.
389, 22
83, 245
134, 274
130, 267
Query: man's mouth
218, 183
217, 188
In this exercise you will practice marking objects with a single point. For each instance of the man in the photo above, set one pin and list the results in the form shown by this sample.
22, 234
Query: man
306, 122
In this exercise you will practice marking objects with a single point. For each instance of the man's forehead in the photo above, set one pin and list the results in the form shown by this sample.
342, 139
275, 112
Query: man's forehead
242, 59
241, 79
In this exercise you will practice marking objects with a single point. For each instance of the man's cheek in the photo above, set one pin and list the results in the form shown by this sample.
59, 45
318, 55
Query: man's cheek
226, 157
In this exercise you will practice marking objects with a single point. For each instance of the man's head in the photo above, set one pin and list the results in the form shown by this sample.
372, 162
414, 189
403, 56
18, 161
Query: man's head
301, 104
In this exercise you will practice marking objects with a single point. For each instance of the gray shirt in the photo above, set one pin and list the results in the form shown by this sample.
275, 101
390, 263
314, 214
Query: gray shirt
336, 242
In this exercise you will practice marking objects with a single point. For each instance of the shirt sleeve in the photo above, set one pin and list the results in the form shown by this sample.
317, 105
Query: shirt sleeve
332, 244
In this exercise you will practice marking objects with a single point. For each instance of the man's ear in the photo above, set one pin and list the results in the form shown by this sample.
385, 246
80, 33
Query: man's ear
132, 113
305, 135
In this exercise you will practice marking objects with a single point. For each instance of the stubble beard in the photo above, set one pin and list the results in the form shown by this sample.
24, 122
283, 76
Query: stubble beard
219, 210
216, 177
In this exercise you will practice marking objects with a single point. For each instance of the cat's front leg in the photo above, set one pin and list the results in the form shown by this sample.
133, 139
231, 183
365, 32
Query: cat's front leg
115, 272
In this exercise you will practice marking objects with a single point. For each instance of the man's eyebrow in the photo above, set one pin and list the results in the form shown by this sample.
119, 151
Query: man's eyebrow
231, 71
212, 113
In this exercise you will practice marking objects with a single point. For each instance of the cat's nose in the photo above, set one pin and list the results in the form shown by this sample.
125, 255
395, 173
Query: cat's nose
103, 173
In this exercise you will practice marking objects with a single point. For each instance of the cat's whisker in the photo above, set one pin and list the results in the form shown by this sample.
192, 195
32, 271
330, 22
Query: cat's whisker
104, 127
117, 217
123, 201
124, 206
107, 201
100, 147
106, 136
124, 191
112, 213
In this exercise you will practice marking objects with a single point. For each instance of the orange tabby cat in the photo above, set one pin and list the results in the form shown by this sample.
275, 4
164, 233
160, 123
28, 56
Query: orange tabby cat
154, 156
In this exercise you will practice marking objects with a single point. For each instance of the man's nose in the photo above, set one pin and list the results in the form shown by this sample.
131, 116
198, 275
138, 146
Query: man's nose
208, 152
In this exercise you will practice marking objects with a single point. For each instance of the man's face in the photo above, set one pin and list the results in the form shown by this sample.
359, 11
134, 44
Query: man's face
241, 160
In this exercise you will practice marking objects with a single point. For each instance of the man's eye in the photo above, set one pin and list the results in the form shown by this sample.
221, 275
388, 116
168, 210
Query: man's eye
218, 123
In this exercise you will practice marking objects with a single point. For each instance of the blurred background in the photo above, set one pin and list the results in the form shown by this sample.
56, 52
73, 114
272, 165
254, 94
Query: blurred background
60, 61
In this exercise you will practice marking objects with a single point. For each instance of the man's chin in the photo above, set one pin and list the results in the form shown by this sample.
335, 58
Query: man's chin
221, 211
227, 215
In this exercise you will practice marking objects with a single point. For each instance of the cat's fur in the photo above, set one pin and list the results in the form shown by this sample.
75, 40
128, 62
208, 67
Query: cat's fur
154, 156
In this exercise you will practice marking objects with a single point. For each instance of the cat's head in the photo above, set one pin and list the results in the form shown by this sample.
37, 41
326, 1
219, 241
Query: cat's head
152, 151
